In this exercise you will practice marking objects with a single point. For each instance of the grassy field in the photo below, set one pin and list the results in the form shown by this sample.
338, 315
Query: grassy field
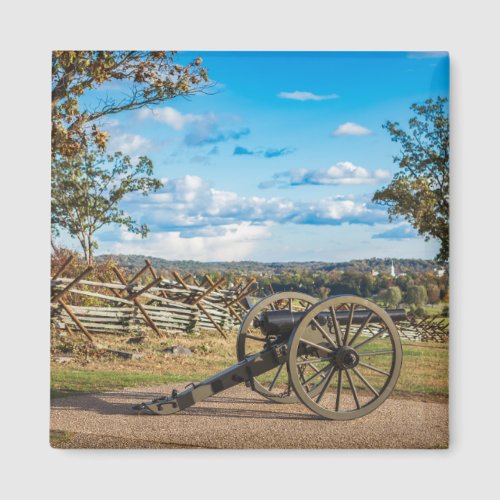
424, 372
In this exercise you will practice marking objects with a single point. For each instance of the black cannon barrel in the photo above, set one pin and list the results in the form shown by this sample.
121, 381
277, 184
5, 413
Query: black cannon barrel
283, 322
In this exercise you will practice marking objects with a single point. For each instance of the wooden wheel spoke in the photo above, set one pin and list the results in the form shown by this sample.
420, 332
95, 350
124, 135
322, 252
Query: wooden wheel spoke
273, 382
323, 332
339, 391
361, 328
356, 371
304, 362
316, 346
370, 367
349, 322
327, 382
378, 334
312, 377
336, 326
313, 366
353, 389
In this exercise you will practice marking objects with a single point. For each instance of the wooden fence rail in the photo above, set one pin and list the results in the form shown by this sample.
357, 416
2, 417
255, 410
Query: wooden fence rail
129, 306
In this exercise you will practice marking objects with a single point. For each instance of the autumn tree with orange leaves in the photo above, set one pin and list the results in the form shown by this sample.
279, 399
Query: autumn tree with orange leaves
151, 77
87, 183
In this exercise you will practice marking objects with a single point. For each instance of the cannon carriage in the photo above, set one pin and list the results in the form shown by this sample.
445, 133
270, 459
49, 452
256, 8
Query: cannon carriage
341, 356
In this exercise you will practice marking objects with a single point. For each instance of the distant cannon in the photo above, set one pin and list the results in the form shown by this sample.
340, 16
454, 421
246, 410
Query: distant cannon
342, 355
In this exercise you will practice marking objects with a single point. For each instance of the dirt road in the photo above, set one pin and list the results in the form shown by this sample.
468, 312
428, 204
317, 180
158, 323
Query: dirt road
240, 418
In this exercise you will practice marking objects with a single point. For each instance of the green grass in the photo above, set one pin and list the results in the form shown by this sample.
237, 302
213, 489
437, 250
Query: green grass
432, 310
424, 371
68, 382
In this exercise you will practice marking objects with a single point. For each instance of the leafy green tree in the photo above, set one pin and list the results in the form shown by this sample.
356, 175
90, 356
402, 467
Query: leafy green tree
366, 285
419, 191
87, 190
417, 295
391, 296
404, 282
148, 78
394, 296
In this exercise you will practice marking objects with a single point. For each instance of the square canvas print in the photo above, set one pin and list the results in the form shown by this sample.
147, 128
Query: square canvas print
249, 249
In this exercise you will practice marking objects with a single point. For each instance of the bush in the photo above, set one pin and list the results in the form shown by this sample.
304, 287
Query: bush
419, 312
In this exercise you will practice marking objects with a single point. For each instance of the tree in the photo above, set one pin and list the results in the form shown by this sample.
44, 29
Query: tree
87, 190
152, 77
392, 296
416, 295
433, 293
419, 191
366, 285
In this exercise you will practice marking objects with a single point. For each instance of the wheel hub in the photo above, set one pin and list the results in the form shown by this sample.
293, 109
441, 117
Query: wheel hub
346, 357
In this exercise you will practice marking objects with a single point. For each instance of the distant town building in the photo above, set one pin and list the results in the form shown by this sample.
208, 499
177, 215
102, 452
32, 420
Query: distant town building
392, 271
439, 272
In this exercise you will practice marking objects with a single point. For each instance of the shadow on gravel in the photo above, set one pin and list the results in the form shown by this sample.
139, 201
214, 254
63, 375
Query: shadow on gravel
120, 403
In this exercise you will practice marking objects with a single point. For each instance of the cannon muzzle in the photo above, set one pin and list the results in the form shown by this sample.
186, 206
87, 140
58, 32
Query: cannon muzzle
283, 322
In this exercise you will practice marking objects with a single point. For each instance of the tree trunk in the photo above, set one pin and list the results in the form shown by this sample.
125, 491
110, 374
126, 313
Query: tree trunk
85, 241
90, 250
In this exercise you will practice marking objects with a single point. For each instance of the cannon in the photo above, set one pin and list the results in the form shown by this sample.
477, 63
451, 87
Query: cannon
341, 356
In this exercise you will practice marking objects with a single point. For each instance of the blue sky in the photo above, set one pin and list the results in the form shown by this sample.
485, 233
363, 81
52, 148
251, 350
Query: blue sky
280, 161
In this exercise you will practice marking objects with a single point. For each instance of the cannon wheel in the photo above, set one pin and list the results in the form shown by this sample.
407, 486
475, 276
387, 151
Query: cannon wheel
361, 358
251, 340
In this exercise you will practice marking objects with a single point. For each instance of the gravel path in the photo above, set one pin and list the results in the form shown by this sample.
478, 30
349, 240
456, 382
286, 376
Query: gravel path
240, 418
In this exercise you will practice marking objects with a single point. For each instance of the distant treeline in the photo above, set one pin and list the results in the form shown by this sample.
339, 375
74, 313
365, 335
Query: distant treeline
417, 281
135, 262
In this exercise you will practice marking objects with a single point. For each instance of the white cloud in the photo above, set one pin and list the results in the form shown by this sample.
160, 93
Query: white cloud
201, 130
222, 243
350, 128
190, 219
189, 204
306, 96
342, 173
336, 210
174, 118
130, 144
397, 233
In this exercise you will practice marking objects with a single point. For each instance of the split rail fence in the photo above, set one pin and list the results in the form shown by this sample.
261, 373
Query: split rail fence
125, 306
179, 305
